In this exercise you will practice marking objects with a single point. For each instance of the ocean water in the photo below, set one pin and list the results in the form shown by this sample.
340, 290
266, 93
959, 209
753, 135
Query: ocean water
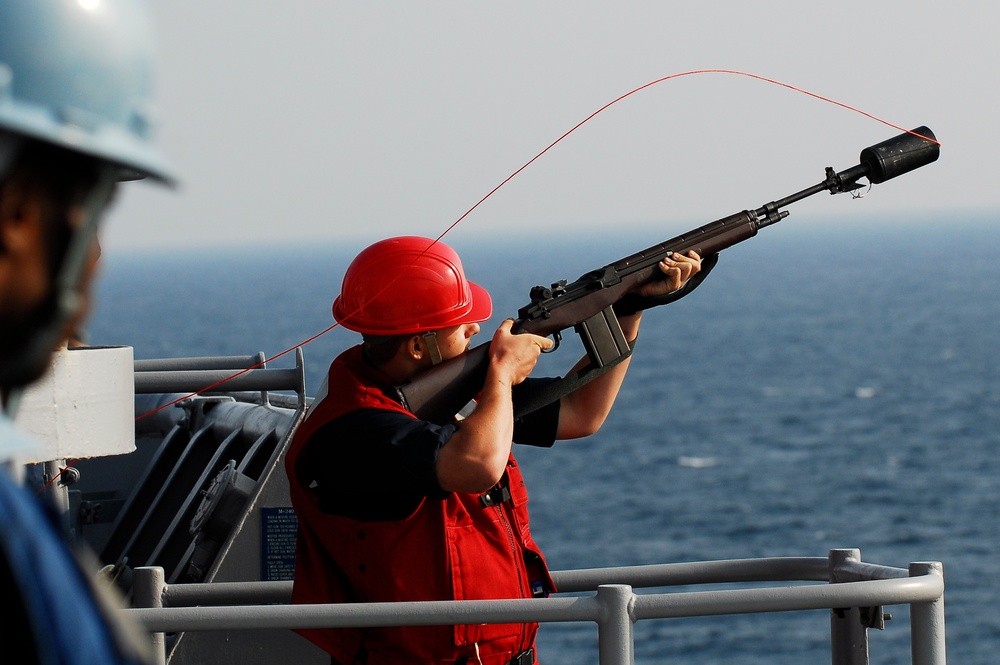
830, 385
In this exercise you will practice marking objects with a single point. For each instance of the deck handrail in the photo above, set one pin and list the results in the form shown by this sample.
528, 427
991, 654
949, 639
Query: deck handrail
614, 607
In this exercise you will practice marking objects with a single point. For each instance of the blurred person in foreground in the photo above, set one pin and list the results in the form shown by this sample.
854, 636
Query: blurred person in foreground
75, 94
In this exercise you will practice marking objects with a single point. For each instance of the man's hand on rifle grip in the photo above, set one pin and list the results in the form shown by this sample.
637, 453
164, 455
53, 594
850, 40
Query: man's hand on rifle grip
513, 357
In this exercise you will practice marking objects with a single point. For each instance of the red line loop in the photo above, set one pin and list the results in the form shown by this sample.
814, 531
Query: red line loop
538, 156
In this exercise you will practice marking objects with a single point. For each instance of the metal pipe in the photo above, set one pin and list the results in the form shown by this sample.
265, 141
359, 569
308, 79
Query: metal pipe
858, 571
927, 643
697, 572
189, 381
615, 608
652, 606
338, 615
615, 638
209, 362
567, 581
848, 636
226, 593
786, 599
148, 584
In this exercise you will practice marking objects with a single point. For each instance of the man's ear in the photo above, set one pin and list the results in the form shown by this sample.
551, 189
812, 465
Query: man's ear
415, 347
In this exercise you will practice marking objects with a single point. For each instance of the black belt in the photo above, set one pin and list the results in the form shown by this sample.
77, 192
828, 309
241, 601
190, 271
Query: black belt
494, 497
526, 657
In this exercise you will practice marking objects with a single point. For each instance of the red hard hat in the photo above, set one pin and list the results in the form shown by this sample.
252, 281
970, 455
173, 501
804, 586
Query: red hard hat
408, 285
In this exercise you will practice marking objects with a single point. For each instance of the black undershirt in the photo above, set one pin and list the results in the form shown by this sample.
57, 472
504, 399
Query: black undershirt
374, 464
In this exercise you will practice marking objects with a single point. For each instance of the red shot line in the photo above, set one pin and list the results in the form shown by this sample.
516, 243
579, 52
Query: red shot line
513, 175
536, 158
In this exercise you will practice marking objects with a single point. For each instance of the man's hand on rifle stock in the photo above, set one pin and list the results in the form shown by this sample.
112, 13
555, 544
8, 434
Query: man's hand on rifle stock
677, 269
682, 274
583, 411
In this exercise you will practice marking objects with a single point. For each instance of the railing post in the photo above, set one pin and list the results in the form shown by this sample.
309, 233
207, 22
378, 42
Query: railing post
848, 635
927, 643
147, 591
615, 629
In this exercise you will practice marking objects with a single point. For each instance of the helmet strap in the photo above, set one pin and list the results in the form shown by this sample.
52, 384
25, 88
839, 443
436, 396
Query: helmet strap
75, 262
430, 338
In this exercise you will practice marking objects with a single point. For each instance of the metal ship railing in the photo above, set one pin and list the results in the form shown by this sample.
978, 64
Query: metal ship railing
855, 594
198, 529
210, 433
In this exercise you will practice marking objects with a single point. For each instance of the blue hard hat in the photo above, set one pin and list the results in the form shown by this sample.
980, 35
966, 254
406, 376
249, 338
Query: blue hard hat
78, 74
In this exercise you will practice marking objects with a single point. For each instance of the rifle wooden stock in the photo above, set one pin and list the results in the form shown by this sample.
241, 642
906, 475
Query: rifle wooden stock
441, 392
586, 304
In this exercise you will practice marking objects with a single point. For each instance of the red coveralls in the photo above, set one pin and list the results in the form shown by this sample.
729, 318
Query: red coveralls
465, 547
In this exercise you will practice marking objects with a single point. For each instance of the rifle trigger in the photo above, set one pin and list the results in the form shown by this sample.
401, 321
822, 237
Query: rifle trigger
557, 338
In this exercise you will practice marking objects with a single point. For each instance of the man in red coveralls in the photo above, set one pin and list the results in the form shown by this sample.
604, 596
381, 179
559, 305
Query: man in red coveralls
393, 508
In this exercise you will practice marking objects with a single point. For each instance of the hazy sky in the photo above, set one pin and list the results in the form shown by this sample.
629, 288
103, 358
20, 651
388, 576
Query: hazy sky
346, 122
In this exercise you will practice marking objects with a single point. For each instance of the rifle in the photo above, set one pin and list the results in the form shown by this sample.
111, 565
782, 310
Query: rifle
590, 304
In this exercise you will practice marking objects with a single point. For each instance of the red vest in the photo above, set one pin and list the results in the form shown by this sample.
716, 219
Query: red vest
457, 548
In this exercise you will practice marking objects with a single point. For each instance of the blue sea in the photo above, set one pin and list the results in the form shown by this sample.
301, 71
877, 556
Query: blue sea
832, 384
